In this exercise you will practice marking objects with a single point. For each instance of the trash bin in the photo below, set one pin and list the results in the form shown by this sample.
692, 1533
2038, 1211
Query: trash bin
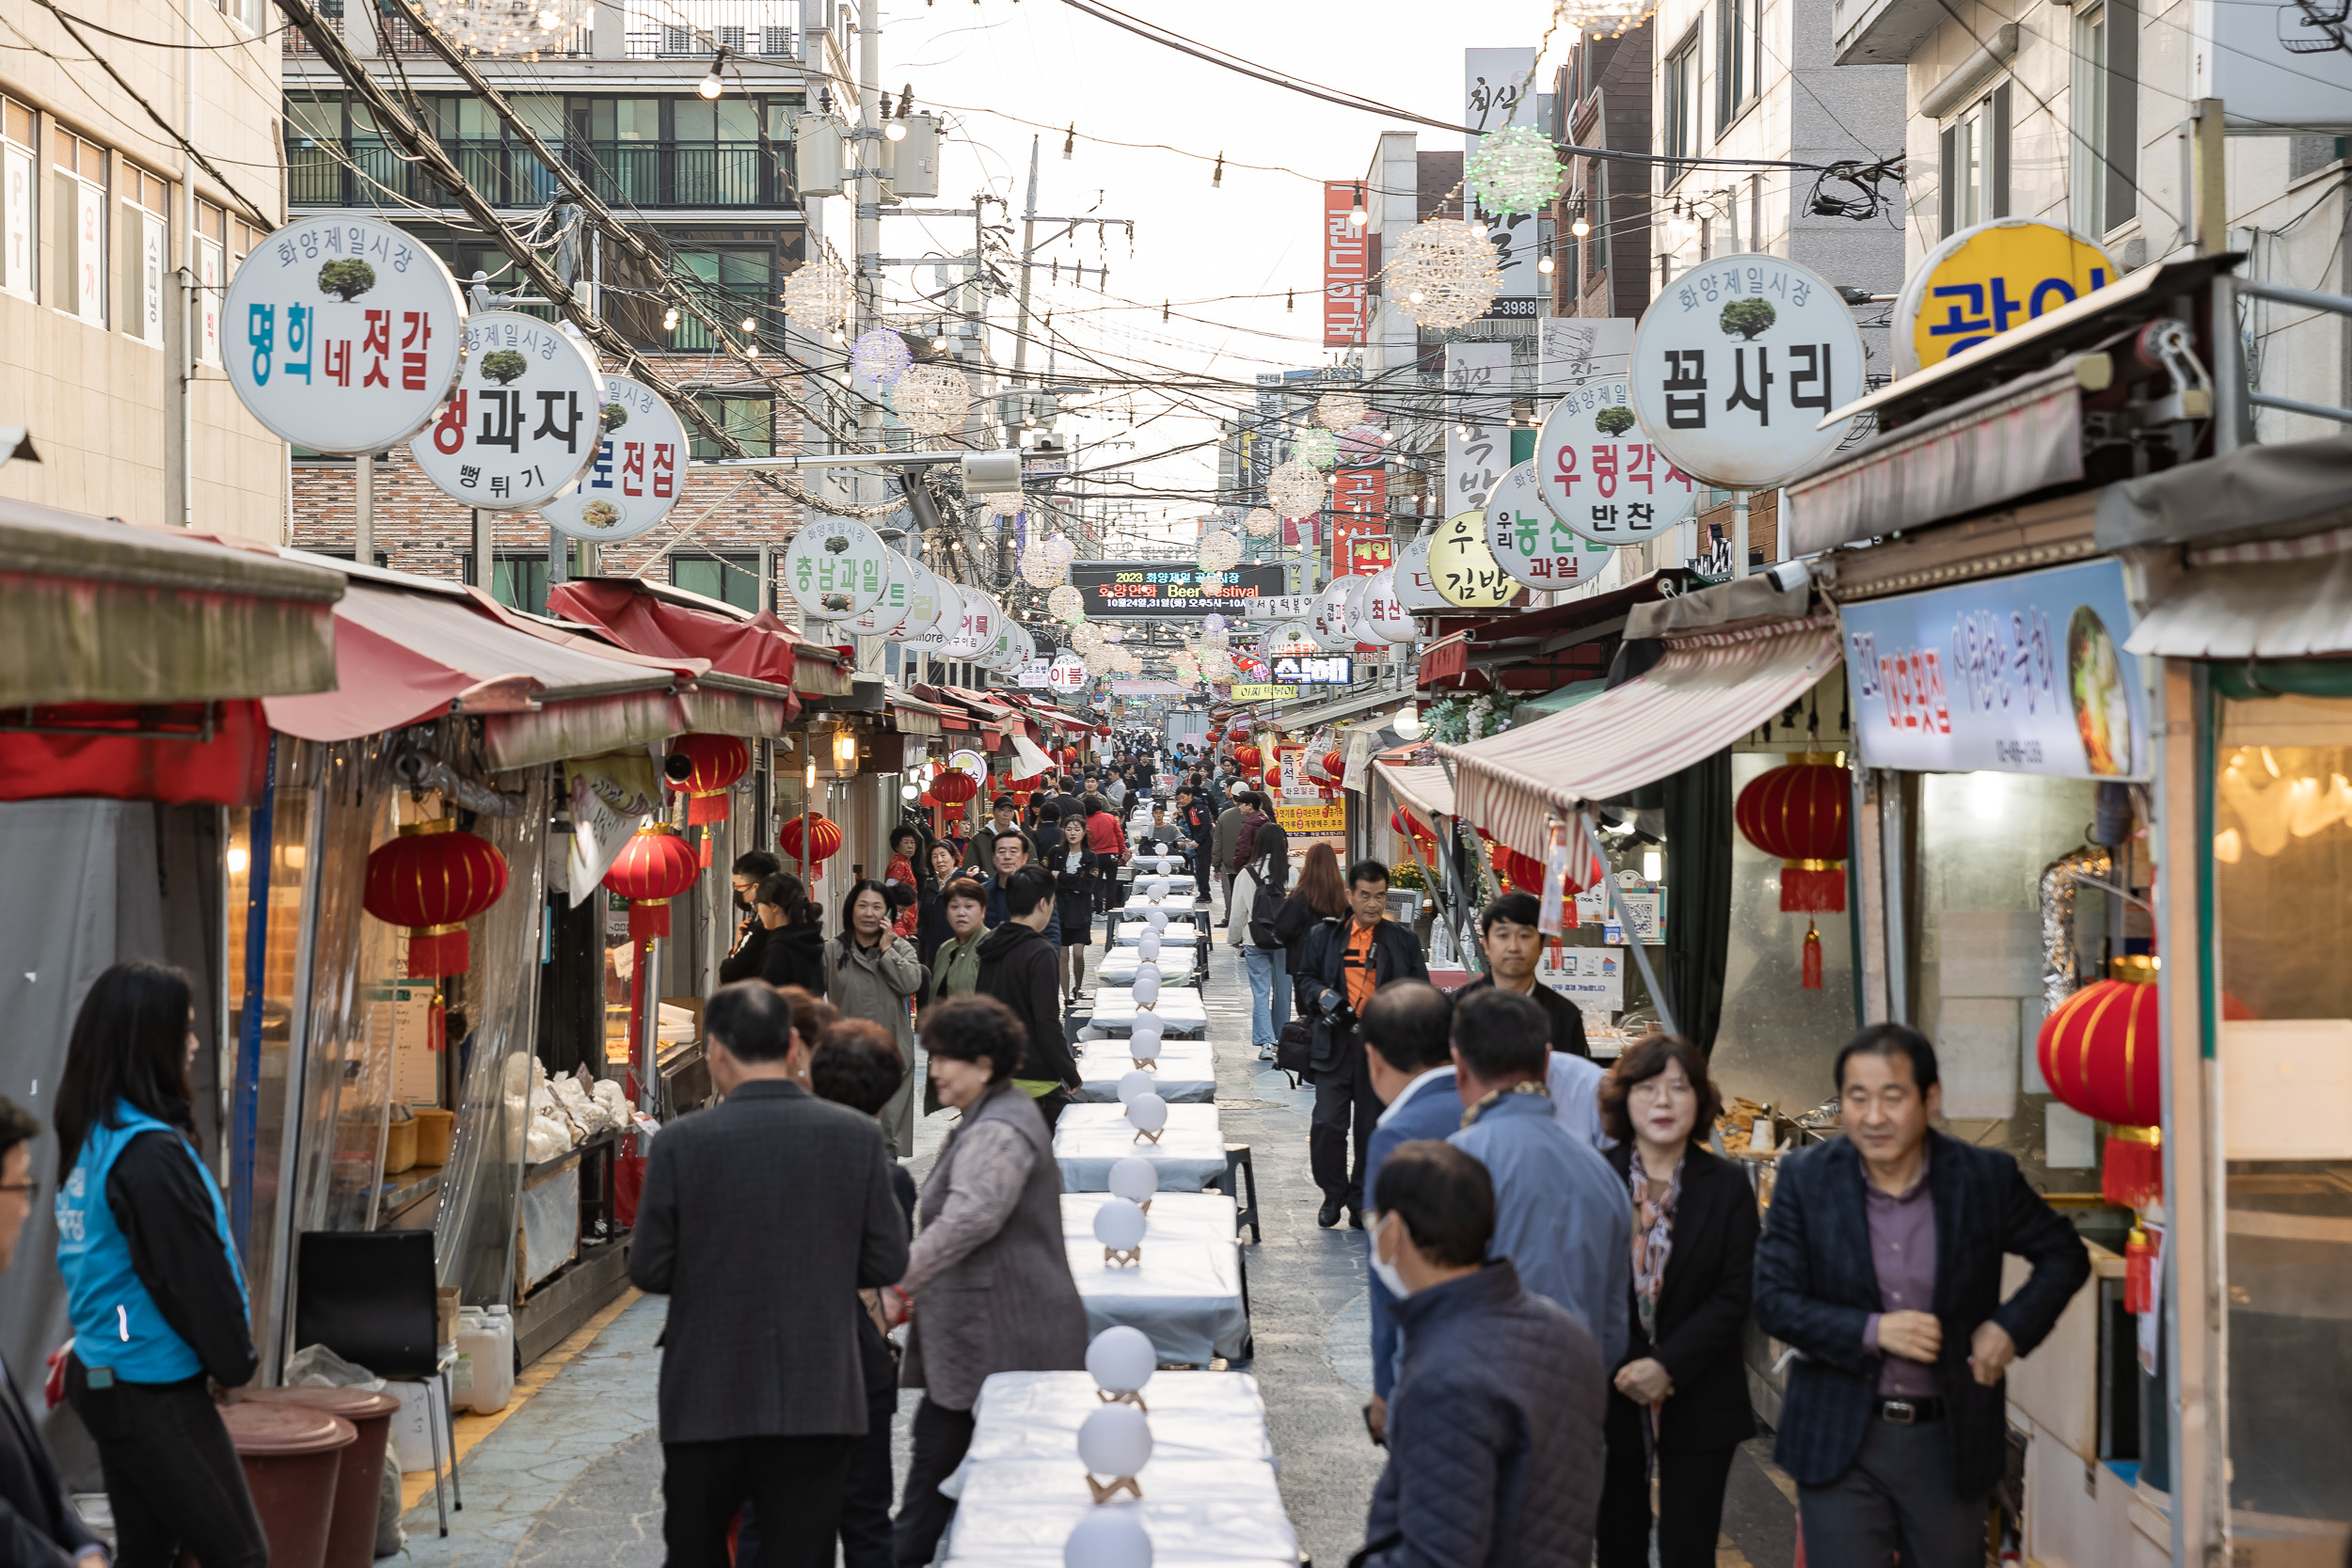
292, 1456
358, 1486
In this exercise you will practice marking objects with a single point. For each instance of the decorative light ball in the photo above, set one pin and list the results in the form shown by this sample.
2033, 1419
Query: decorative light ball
1147, 1112
1059, 548
932, 400
1042, 571
1148, 948
1088, 639
1297, 490
880, 355
1111, 1536
1261, 523
1003, 509
1156, 889
1605, 19
1513, 170
1146, 970
1135, 1179
1146, 988
507, 26
1156, 919
1122, 1358
1216, 667
1445, 273
1133, 1083
1362, 443
1144, 1040
1219, 551
1338, 410
1115, 1440
1214, 625
1118, 1225
1066, 604
1317, 449
818, 296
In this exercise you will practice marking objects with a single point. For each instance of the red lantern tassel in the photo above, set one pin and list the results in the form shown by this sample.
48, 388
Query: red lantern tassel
2139, 1272
1812, 887
1812, 957
437, 1023
709, 806
2131, 1174
706, 836
438, 950
648, 917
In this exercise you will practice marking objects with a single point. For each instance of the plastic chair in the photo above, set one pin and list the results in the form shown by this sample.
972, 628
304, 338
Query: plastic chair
370, 1298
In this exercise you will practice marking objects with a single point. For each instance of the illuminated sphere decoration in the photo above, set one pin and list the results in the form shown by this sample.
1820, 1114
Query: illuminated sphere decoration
1216, 626
507, 26
1297, 490
1340, 410
1003, 509
1066, 604
1088, 639
1111, 1536
1261, 523
1445, 273
1317, 449
880, 355
817, 297
1219, 551
1605, 19
932, 400
1362, 443
1513, 170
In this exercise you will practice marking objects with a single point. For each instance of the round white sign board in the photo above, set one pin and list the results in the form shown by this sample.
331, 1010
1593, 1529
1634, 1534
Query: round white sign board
835, 568
1464, 569
975, 625
637, 474
1416, 590
1592, 482
1326, 621
1068, 673
522, 424
1390, 622
889, 609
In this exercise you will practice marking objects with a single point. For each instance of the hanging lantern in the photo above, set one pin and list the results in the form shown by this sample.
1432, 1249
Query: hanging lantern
932, 400
1523, 872
817, 296
1798, 813
1514, 169
880, 355
955, 787
1261, 523
2101, 1052
1333, 763
1317, 449
1295, 490
1219, 551
1069, 756
1066, 604
655, 866
823, 835
1249, 756
1444, 273
1273, 777
1340, 410
432, 878
704, 768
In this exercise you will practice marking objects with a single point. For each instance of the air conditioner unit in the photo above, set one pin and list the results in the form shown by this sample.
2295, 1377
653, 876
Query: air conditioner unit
731, 40
678, 41
776, 40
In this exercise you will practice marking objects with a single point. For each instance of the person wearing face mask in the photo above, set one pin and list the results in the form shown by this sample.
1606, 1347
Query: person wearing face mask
1410, 1057
1495, 1420
752, 867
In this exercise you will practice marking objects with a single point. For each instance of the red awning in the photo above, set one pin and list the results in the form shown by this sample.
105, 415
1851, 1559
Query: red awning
187, 753
666, 623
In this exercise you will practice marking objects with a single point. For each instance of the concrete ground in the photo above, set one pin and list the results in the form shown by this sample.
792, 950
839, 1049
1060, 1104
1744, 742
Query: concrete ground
570, 1475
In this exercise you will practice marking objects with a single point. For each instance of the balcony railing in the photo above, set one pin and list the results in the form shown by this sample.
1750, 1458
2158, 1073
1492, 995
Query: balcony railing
627, 174
396, 36
767, 28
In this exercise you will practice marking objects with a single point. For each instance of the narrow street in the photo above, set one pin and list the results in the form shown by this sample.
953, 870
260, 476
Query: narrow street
569, 1474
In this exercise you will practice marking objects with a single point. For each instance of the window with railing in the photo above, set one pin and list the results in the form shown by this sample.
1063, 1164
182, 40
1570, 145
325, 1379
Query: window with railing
767, 29
734, 284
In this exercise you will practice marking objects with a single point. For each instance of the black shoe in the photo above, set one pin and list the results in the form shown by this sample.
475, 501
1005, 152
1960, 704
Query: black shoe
1355, 1219
1329, 1215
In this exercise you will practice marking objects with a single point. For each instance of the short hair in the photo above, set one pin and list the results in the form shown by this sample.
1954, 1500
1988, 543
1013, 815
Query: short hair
1020, 841
1519, 909
1445, 1197
1889, 1041
751, 1019
968, 1027
1158, 806
17, 1126
1026, 888
1406, 1021
812, 1015
1002, 802
909, 834
756, 864
1183, 790
857, 1064
1501, 1033
965, 887
1366, 871
1094, 804
1644, 1060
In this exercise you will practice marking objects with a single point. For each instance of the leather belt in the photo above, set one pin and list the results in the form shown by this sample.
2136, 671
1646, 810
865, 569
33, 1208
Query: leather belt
1911, 1412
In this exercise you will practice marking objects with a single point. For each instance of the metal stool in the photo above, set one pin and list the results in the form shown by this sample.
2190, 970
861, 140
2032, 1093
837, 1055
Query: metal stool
1237, 1162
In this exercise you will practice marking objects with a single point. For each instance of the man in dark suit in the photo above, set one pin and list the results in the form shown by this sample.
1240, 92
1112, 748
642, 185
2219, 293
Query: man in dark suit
1344, 962
1881, 1262
761, 1219
39, 1528
1409, 1055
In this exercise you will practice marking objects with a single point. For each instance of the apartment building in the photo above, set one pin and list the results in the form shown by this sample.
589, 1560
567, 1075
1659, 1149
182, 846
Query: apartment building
139, 164
1601, 99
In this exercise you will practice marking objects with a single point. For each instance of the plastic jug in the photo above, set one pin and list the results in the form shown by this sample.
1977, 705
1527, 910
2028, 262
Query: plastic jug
495, 1384
483, 1378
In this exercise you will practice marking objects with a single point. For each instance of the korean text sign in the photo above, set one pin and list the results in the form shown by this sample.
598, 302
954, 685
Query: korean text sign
525, 421
1346, 268
1600, 478
2015, 675
1985, 280
637, 472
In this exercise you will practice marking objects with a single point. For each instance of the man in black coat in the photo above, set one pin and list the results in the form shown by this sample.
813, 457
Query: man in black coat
761, 1219
39, 1528
1881, 1263
1022, 969
1344, 963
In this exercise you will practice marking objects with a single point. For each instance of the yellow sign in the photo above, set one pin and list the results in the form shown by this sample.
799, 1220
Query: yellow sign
1318, 816
1986, 281
1264, 694
1463, 569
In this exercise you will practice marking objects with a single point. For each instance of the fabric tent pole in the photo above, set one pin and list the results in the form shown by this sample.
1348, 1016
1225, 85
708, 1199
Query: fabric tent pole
1625, 918
245, 1108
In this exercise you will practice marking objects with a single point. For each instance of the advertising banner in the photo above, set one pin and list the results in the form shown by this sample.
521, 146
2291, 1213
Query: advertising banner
1477, 442
2015, 675
1317, 818
1987, 280
1346, 268
1359, 520
1134, 590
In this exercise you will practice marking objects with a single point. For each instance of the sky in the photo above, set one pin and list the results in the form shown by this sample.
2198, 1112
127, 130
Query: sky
1225, 255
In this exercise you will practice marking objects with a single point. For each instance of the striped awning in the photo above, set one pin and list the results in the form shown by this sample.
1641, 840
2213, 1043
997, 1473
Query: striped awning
2270, 598
1702, 695
1423, 791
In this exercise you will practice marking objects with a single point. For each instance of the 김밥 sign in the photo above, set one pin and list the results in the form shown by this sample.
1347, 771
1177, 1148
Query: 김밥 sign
1737, 363
1464, 569
2015, 674
525, 420
345, 334
637, 473
1986, 279
1597, 484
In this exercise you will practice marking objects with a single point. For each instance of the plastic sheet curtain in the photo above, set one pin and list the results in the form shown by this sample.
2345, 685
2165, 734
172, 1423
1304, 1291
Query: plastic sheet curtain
481, 1185
1698, 843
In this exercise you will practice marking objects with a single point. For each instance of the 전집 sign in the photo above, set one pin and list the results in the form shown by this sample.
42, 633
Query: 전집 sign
1736, 364
525, 420
637, 472
344, 334
2015, 674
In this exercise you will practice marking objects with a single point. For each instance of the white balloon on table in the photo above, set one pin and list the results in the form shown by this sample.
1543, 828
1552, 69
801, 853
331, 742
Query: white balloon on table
1148, 948
1156, 918
1135, 1179
1148, 1115
1147, 985
1118, 1225
1122, 1358
1115, 1440
1110, 1537
1134, 1082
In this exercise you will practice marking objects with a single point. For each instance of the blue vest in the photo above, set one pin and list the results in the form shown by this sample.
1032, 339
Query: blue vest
117, 1324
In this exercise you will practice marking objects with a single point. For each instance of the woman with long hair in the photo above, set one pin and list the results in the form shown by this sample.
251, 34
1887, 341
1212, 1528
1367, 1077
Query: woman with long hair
154, 1289
874, 975
1078, 874
1320, 895
789, 949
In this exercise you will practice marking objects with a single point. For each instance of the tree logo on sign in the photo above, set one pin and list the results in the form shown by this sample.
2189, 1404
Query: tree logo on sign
346, 280
1614, 422
1748, 319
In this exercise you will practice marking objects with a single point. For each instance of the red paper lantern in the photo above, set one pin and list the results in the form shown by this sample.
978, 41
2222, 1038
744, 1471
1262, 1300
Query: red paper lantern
1798, 813
928, 799
655, 866
1069, 756
433, 879
1523, 872
824, 835
1247, 757
2101, 1052
1333, 763
712, 763
1273, 777
955, 787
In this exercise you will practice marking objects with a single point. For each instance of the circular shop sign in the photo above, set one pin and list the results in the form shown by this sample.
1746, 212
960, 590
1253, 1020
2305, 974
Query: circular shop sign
1355, 615
1416, 590
923, 600
1736, 364
639, 469
1986, 279
342, 334
1390, 621
836, 568
974, 626
1590, 479
1327, 619
885, 614
1464, 569
524, 421
1068, 673
972, 763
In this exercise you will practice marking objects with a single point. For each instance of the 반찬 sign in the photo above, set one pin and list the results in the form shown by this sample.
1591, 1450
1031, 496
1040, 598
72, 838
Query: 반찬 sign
2016, 674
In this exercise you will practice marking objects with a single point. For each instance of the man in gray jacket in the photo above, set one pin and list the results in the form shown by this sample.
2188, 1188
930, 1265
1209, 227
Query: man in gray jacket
1221, 852
761, 1219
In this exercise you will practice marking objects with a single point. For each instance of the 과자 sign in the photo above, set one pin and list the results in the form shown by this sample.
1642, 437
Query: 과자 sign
1985, 280
344, 334
1736, 364
637, 474
1464, 569
1594, 481
525, 420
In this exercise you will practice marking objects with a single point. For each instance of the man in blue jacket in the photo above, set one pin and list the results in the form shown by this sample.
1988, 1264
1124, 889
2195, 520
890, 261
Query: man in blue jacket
1411, 1063
1881, 1264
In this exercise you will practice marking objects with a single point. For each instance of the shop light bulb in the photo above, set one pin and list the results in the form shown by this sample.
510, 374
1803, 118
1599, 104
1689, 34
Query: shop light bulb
908, 792
669, 321
711, 85
808, 779
895, 130
1653, 865
1407, 722
845, 748
238, 860
748, 324
1543, 266
1580, 229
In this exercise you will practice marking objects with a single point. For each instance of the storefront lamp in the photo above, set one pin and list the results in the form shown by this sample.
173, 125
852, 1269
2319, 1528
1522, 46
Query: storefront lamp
908, 792
1653, 865
845, 750
1407, 722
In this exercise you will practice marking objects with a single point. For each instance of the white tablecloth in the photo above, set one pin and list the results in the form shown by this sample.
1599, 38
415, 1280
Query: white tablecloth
1179, 888
1199, 1513
1185, 907
1194, 1414
1180, 931
1185, 1077
1186, 1292
1179, 1006
1088, 1137
1116, 967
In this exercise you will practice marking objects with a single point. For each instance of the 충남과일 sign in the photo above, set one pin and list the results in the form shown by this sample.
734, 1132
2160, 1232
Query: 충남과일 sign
2015, 674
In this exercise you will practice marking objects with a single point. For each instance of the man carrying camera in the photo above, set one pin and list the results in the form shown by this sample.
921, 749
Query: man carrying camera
1344, 961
